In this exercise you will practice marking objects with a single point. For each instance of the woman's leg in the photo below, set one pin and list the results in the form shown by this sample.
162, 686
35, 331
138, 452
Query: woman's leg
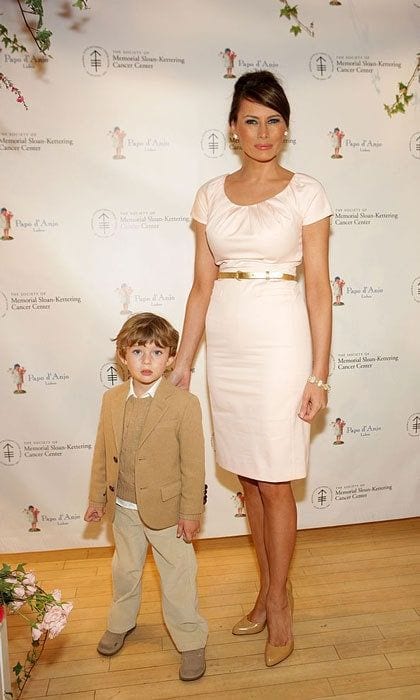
255, 513
279, 514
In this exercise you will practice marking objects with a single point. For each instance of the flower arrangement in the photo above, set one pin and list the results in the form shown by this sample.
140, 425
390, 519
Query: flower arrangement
45, 612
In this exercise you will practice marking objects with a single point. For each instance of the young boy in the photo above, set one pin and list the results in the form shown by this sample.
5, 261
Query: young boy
148, 471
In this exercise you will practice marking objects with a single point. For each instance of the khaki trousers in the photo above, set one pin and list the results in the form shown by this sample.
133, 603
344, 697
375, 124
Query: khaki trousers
177, 566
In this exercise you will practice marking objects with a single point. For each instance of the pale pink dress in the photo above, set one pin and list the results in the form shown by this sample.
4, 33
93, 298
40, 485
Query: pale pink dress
257, 331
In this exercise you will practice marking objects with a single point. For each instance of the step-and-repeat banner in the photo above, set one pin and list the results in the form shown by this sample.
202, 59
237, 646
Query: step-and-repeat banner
125, 121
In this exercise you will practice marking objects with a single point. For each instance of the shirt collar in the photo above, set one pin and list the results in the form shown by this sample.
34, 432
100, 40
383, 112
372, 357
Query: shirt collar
149, 394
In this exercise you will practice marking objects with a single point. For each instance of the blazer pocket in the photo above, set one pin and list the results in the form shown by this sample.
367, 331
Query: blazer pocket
170, 490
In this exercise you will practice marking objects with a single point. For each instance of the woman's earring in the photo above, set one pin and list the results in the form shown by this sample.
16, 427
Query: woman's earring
286, 132
234, 138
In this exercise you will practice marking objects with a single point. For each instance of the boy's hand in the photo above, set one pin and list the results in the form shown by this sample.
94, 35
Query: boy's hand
187, 529
94, 514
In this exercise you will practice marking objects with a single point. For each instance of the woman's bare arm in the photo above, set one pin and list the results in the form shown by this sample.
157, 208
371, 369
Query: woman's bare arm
319, 303
205, 272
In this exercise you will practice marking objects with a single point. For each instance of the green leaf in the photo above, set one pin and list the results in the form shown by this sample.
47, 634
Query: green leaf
17, 669
43, 38
295, 29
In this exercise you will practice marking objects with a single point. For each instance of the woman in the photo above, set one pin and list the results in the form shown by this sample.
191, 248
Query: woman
267, 363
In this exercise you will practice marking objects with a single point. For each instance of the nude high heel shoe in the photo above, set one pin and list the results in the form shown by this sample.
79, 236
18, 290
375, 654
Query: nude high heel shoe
275, 654
246, 626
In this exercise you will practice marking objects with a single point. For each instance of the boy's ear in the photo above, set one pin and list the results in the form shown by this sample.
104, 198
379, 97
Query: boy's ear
122, 359
170, 361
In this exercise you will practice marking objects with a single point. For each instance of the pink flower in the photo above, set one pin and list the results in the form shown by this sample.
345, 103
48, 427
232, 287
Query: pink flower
56, 594
29, 579
15, 605
30, 590
55, 619
19, 99
36, 633
11, 579
19, 591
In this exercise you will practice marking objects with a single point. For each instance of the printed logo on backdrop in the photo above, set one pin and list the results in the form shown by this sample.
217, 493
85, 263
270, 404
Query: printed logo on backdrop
213, 143
336, 136
32, 513
59, 518
415, 289
18, 376
362, 291
95, 61
321, 66
322, 497
239, 501
248, 64
362, 144
38, 301
49, 378
104, 223
6, 217
23, 60
34, 516
363, 217
109, 375
37, 225
338, 285
117, 137
26, 141
415, 145
41, 449
228, 56
354, 361
364, 491
413, 425
10, 453
340, 429
135, 299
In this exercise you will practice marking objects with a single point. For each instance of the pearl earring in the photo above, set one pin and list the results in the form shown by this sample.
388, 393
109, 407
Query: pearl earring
286, 132
235, 137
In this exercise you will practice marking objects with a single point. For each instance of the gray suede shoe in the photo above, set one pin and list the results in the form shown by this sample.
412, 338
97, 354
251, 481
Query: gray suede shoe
111, 642
193, 664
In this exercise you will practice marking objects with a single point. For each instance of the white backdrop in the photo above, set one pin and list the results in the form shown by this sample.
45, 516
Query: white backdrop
96, 236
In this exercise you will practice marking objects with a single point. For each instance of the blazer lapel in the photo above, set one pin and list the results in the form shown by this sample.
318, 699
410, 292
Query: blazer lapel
117, 413
157, 409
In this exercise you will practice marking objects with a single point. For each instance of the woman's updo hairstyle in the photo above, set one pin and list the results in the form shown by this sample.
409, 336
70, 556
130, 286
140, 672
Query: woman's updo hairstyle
263, 88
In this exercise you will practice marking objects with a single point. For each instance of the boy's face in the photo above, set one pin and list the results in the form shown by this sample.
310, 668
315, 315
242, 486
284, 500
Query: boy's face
146, 364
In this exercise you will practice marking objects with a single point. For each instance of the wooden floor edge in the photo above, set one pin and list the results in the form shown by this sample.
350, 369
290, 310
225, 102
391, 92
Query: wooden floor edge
200, 544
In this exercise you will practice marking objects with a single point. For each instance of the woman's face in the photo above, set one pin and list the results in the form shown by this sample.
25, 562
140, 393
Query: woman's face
260, 130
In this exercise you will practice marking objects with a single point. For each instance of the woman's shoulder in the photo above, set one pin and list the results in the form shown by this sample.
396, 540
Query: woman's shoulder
303, 181
212, 185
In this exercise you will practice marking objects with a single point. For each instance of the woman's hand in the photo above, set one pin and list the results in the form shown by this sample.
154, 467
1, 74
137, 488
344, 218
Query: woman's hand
181, 377
314, 399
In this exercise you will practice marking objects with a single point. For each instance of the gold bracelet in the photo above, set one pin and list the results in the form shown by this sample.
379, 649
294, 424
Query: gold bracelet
318, 382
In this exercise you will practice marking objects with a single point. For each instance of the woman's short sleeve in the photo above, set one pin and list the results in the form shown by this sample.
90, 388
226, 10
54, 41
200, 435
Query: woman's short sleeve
199, 208
316, 205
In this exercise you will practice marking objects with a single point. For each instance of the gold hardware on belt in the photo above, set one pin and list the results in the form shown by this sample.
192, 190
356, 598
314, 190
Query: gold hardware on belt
267, 275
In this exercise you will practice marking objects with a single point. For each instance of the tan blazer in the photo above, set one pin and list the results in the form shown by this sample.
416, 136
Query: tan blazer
169, 475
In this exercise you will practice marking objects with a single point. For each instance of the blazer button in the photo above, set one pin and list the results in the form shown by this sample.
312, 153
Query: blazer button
115, 459
111, 488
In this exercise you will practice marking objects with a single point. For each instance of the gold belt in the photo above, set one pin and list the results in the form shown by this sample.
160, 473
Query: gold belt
238, 275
